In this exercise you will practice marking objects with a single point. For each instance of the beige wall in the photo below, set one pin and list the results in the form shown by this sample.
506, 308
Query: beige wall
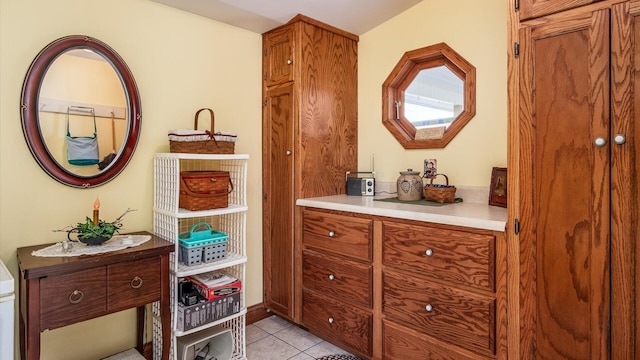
477, 31
182, 62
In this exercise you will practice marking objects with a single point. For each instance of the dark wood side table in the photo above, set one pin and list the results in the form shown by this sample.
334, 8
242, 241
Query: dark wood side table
58, 291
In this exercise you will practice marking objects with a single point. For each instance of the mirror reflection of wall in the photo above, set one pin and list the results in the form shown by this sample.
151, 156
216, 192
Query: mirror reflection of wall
82, 78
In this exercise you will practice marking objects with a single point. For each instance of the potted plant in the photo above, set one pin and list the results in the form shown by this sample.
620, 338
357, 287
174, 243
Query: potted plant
92, 233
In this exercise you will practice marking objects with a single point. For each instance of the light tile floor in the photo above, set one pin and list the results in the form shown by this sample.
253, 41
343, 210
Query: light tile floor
274, 338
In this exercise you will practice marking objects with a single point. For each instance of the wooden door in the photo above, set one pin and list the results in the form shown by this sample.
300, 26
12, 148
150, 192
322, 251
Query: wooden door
625, 197
565, 187
536, 8
278, 206
278, 56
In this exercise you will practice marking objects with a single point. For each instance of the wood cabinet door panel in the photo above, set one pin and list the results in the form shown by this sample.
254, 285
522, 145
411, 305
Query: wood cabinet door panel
564, 187
337, 277
535, 8
400, 343
346, 235
278, 56
71, 298
452, 315
457, 256
279, 203
133, 284
338, 322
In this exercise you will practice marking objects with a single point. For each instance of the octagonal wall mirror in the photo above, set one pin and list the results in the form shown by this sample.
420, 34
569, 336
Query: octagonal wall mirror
429, 97
78, 86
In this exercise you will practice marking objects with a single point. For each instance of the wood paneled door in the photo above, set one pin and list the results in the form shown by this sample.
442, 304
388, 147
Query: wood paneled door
579, 100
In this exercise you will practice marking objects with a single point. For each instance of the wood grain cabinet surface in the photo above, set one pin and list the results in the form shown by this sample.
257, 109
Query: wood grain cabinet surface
309, 138
60, 291
575, 106
337, 279
413, 290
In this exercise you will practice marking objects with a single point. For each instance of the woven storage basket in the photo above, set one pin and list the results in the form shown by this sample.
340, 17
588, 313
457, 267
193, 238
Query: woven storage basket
204, 190
438, 192
202, 142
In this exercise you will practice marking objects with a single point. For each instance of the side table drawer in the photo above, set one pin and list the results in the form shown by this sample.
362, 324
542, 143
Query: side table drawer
452, 315
338, 321
458, 256
337, 277
133, 283
71, 298
345, 235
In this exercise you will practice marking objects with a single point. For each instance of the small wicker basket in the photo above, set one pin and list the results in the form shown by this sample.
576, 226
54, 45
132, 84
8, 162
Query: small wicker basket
439, 192
202, 142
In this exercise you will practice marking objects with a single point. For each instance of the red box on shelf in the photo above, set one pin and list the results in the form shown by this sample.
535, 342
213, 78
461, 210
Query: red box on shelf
215, 284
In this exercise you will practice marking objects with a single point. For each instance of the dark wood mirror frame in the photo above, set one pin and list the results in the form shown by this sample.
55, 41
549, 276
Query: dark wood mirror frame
411, 63
29, 111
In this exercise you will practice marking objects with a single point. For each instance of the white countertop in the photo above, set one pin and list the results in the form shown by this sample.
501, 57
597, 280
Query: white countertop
474, 215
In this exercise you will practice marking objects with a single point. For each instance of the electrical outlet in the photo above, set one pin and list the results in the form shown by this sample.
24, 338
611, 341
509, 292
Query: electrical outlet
430, 168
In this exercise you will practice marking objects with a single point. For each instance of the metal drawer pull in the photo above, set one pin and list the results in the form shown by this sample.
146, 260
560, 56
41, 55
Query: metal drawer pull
331, 320
332, 234
76, 296
600, 141
619, 139
289, 62
429, 308
331, 277
429, 252
136, 283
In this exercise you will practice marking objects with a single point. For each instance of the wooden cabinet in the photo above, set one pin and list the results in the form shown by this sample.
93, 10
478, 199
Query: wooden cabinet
337, 282
309, 138
535, 8
392, 289
577, 131
445, 285
60, 291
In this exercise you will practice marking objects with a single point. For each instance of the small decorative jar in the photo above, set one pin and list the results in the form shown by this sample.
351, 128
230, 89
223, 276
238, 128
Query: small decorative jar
409, 186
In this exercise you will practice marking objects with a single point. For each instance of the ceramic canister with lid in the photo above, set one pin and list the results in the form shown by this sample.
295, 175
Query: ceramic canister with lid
409, 185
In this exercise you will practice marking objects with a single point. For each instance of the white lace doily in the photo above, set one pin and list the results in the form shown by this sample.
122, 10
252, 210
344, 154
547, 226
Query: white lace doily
117, 242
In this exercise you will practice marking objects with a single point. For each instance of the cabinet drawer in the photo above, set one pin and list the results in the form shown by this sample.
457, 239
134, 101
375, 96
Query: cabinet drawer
336, 321
458, 256
133, 283
337, 277
456, 316
71, 298
345, 235
400, 343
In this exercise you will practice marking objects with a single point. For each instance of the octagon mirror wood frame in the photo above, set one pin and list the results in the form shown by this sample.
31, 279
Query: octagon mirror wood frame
29, 110
411, 63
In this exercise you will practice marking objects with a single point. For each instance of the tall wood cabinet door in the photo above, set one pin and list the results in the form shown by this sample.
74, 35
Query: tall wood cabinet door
278, 56
564, 183
536, 8
625, 195
278, 209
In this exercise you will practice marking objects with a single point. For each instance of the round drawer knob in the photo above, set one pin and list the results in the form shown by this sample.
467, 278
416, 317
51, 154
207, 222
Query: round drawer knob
136, 282
429, 252
289, 62
429, 308
76, 296
332, 234
331, 277
330, 320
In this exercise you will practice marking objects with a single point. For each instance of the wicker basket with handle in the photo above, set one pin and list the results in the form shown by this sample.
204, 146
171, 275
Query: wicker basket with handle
204, 190
202, 142
442, 193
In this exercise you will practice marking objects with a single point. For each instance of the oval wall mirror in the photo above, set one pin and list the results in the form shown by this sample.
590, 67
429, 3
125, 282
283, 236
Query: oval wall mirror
79, 87
428, 97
